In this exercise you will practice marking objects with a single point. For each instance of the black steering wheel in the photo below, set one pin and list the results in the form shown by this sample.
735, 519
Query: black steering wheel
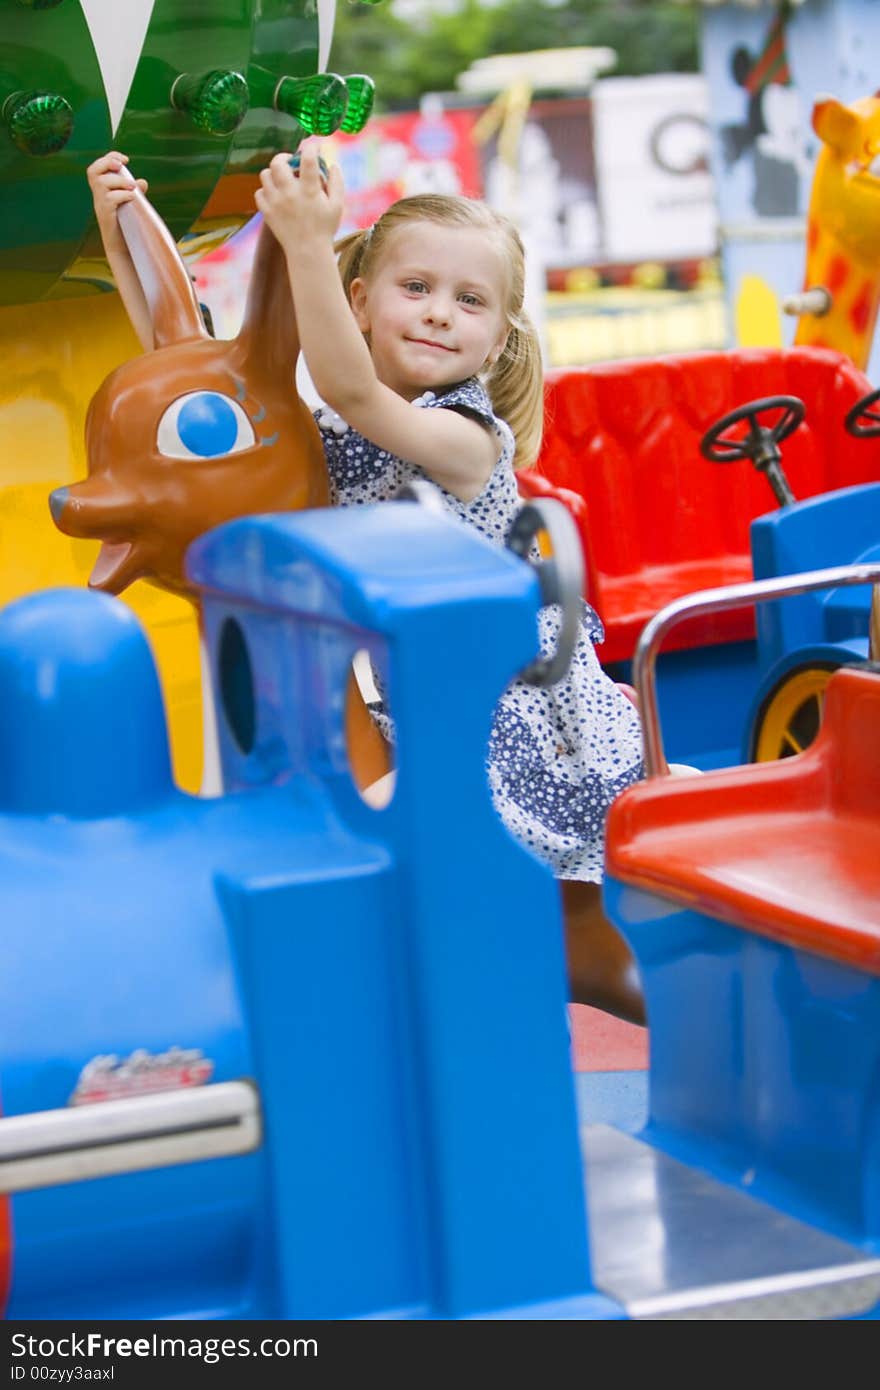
863, 421
560, 577
761, 441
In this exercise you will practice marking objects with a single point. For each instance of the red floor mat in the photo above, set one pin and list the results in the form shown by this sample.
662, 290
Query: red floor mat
600, 1042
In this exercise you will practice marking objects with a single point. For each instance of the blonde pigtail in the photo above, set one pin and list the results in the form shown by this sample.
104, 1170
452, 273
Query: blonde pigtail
350, 253
516, 388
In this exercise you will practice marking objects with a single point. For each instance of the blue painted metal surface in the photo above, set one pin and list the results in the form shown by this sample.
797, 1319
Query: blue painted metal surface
765, 1062
702, 694
825, 628
836, 528
393, 981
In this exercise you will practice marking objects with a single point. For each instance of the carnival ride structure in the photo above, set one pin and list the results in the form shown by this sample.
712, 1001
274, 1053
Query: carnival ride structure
159, 1177
195, 432
200, 98
189, 979
801, 640
411, 1171
660, 521
749, 897
193, 1139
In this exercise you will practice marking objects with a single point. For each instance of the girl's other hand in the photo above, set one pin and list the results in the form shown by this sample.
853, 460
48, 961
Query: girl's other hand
111, 185
304, 204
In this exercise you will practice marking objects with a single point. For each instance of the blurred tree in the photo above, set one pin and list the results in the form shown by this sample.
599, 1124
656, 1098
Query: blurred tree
426, 54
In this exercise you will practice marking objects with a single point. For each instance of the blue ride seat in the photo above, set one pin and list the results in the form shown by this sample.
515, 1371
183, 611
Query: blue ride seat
751, 898
837, 528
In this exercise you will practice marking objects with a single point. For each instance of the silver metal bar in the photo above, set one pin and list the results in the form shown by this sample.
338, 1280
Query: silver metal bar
874, 625
816, 301
669, 1241
716, 601
50, 1147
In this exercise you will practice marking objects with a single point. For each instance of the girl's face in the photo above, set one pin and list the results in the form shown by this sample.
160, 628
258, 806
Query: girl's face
433, 306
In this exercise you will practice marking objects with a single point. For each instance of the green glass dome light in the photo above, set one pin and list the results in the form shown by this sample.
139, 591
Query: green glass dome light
192, 148
39, 123
318, 103
361, 95
216, 102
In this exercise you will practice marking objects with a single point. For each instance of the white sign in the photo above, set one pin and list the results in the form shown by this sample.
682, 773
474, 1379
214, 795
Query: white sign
651, 147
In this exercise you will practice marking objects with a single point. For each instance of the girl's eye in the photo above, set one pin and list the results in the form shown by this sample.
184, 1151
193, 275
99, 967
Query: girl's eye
204, 425
472, 301
416, 286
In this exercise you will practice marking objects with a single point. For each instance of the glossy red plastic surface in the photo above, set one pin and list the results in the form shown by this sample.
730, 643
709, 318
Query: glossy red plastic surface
789, 849
533, 484
660, 520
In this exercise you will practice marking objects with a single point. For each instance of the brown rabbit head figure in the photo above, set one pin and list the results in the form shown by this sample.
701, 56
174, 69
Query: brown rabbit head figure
196, 432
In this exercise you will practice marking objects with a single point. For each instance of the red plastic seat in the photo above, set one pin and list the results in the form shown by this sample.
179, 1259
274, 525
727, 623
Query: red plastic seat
660, 520
789, 850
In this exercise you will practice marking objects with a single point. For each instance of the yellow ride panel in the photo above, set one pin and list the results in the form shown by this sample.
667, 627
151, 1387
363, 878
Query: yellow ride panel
55, 356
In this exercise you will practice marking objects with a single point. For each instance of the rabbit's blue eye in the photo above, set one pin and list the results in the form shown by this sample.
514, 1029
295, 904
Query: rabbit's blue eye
204, 425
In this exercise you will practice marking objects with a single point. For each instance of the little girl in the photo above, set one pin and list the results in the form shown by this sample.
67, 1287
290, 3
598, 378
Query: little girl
430, 368
418, 343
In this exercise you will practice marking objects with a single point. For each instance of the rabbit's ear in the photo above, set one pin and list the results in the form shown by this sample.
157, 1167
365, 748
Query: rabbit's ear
268, 338
164, 278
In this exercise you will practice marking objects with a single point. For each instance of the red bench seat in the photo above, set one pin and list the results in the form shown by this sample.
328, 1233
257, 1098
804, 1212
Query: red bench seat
660, 521
789, 850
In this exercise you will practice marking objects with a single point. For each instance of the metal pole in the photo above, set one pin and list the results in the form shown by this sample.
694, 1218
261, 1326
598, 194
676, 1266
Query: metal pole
716, 601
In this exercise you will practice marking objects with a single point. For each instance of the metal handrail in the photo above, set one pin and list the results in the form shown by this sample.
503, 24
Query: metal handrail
47, 1147
716, 601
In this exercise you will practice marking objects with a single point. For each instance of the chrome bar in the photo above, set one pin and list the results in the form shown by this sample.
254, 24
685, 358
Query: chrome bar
49, 1147
716, 601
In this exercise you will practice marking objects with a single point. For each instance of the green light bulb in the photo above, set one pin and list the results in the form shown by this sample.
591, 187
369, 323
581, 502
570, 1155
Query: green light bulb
39, 122
216, 102
361, 95
316, 103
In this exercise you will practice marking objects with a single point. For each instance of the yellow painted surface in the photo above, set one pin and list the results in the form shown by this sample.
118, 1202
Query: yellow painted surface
54, 357
757, 321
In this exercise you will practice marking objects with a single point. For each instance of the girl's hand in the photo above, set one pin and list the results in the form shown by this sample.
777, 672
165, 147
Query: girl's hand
111, 185
303, 206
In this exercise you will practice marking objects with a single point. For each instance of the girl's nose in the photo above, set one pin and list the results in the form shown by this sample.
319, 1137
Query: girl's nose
437, 310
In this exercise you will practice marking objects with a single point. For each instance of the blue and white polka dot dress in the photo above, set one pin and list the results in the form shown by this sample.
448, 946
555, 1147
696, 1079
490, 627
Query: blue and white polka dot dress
557, 757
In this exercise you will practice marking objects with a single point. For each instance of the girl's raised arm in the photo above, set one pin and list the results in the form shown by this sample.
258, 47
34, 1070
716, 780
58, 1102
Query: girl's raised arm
111, 186
304, 213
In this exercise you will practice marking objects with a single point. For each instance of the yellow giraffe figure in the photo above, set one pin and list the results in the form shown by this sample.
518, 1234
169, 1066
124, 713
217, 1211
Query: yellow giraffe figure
837, 307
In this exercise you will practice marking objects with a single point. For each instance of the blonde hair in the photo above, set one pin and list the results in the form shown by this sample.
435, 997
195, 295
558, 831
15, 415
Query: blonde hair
515, 382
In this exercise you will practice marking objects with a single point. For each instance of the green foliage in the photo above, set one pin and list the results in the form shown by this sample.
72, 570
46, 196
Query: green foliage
408, 59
